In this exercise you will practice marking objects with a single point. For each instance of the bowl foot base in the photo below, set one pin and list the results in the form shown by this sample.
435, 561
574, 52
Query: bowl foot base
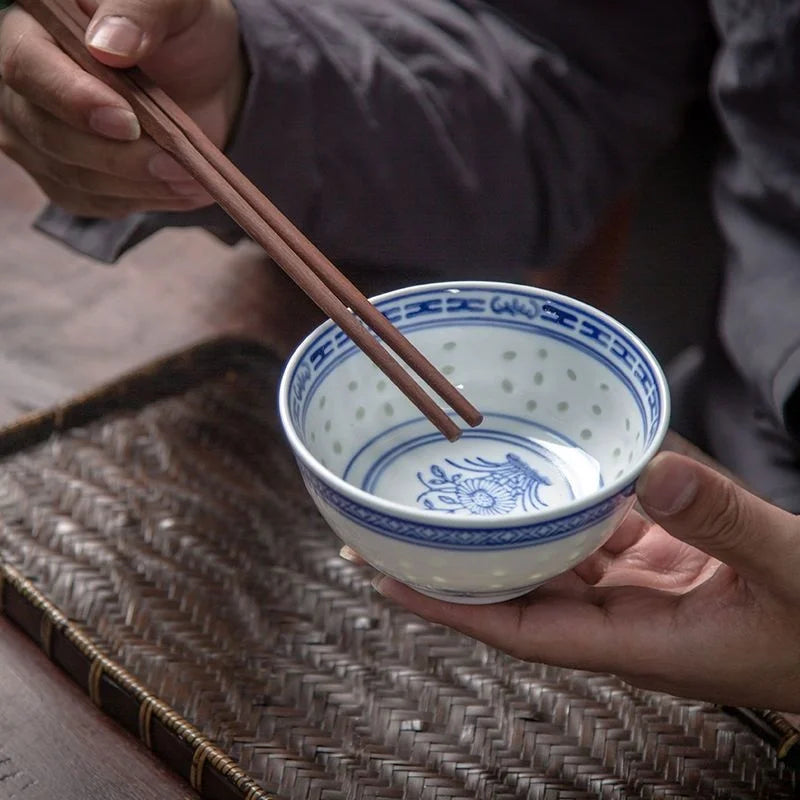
474, 598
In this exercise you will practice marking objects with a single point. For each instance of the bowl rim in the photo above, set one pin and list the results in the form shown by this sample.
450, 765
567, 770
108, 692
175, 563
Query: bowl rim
441, 518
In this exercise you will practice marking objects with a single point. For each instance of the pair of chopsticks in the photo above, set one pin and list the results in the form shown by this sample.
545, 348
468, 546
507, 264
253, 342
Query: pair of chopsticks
175, 132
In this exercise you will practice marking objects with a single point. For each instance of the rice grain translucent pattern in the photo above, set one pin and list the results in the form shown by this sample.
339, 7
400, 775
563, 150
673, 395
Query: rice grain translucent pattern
182, 538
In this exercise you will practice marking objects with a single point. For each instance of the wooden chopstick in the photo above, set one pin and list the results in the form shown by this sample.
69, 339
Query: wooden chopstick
176, 132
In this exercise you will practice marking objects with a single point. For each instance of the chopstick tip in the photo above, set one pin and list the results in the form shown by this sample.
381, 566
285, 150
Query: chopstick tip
453, 435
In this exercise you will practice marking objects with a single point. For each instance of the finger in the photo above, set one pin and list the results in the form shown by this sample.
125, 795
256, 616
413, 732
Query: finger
566, 623
348, 554
83, 204
124, 32
141, 160
91, 181
633, 528
36, 68
708, 511
501, 624
662, 563
642, 553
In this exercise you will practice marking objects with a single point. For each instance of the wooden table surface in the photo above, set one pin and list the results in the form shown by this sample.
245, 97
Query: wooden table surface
68, 322
56, 744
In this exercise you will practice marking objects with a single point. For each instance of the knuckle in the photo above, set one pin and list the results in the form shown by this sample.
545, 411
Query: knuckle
17, 45
41, 131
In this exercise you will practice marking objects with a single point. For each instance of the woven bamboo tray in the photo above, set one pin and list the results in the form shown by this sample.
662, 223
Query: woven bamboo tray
157, 542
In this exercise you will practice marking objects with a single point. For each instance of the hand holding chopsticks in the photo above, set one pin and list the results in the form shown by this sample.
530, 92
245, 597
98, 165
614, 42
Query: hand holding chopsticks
177, 134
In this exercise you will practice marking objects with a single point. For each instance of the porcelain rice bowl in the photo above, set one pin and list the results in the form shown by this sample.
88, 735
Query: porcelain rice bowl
574, 407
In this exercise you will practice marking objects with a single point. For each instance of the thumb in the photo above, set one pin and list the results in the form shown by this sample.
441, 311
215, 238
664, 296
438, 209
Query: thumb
124, 32
707, 510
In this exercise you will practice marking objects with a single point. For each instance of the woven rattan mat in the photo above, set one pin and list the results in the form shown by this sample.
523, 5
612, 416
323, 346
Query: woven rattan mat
200, 598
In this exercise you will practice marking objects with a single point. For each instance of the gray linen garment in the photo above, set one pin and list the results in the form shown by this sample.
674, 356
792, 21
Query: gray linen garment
474, 139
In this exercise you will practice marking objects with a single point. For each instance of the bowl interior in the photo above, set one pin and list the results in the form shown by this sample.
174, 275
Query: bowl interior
572, 404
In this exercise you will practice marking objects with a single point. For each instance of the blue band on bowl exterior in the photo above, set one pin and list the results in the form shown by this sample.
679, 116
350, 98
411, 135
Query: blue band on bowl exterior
459, 538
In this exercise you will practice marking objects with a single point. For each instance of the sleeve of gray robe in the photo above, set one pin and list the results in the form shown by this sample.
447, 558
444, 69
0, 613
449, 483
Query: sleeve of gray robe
457, 135
757, 194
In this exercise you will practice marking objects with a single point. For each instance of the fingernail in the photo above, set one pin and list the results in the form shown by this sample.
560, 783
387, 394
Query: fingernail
116, 35
167, 168
116, 123
379, 585
348, 554
667, 485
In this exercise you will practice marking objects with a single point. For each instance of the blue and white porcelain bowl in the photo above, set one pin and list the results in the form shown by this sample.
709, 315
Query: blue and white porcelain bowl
574, 406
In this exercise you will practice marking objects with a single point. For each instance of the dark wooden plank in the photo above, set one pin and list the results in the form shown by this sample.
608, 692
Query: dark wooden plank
55, 744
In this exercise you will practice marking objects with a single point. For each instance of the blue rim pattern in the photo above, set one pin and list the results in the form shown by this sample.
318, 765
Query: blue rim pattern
465, 539
540, 314
478, 321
